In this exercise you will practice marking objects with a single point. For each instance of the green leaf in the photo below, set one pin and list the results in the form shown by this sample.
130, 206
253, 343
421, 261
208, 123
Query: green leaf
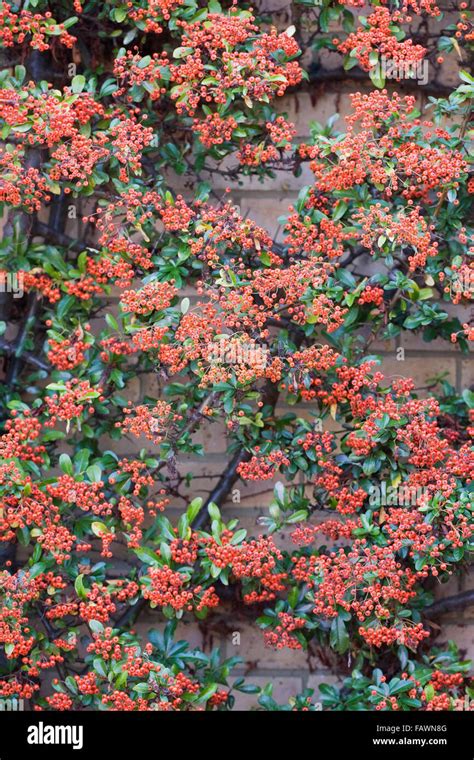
78, 83
238, 536
247, 688
183, 526
300, 516
96, 626
429, 692
371, 465
147, 555
79, 587
99, 528
165, 553
182, 52
214, 512
340, 210
466, 77
207, 693
112, 322
99, 666
193, 509
9, 648
20, 73
94, 473
71, 684
468, 397
65, 464
81, 460
120, 14
339, 638
378, 79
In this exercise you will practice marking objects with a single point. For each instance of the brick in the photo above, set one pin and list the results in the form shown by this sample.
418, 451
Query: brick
150, 385
422, 369
201, 486
467, 580
278, 6
467, 373
384, 346
212, 436
452, 587
190, 631
133, 390
462, 634
306, 107
463, 311
147, 620
259, 657
467, 584
319, 104
265, 212
124, 446
252, 493
414, 342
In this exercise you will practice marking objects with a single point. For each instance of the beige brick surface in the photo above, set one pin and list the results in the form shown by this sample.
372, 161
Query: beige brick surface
212, 437
258, 656
266, 212
421, 368
462, 634
467, 376
304, 108
414, 342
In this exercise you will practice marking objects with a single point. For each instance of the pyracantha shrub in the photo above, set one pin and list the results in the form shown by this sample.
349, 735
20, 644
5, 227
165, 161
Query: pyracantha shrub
122, 143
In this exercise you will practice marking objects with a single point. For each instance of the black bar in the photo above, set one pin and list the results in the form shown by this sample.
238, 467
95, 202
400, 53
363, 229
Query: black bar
130, 736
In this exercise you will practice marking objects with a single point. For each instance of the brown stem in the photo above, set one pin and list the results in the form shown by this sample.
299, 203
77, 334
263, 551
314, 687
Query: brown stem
17, 359
219, 493
230, 474
29, 358
457, 602
57, 237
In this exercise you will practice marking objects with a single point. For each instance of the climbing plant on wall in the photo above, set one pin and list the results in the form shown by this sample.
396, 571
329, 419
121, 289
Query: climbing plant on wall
120, 124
